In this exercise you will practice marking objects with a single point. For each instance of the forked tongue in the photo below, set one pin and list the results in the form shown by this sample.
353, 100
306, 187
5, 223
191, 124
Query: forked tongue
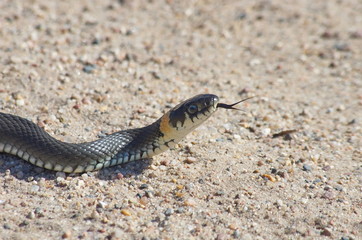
231, 106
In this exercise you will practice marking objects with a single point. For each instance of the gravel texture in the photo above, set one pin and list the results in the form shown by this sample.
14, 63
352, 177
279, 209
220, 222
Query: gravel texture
289, 166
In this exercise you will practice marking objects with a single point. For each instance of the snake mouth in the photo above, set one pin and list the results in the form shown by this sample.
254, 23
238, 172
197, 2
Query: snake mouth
231, 106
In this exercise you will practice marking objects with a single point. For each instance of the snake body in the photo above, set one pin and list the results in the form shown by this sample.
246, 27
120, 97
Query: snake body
23, 138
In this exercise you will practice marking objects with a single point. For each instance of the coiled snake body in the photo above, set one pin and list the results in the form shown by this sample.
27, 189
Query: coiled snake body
22, 138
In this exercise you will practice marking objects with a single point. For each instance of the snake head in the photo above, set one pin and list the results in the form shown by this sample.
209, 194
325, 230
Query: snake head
192, 112
189, 114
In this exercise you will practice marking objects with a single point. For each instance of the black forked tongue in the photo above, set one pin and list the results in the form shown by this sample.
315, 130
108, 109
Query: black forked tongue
231, 106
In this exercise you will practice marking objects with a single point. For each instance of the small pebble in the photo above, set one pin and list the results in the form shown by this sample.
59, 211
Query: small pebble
61, 181
6, 226
318, 180
102, 183
80, 183
247, 236
265, 132
356, 34
96, 41
20, 102
315, 157
188, 186
31, 215
24, 223
143, 200
236, 234
163, 168
37, 211
190, 202
89, 68
220, 193
84, 176
233, 226
254, 62
307, 168
269, 177
15, 59
169, 211
282, 174
328, 195
149, 194
190, 160
237, 136
143, 186
119, 176
221, 236
117, 234
326, 168
342, 47
329, 35
126, 212
326, 232
279, 203
180, 210
34, 188
102, 204
94, 215
67, 234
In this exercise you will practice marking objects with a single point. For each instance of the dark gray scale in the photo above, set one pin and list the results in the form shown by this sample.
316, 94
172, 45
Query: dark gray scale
143, 140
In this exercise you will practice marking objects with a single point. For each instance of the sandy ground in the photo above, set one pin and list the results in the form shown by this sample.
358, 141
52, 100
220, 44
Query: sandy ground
81, 69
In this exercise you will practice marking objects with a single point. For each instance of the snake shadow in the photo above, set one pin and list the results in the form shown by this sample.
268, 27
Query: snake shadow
22, 170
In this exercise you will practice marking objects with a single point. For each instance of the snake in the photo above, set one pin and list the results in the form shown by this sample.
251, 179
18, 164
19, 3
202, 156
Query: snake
26, 140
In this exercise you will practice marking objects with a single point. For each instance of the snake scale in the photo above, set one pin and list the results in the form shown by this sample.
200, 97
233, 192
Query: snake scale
23, 138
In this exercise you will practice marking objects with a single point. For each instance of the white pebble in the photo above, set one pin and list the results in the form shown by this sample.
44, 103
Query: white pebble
237, 136
15, 59
255, 62
85, 176
80, 183
102, 183
102, 204
35, 188
315, 157
279, 203
20, 102
265, 132
52, 117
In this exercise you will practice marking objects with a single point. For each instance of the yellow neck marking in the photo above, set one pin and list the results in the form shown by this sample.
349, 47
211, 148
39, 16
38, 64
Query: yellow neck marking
165, 127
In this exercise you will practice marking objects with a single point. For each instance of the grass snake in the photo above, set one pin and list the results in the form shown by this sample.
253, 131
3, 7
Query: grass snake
23, 138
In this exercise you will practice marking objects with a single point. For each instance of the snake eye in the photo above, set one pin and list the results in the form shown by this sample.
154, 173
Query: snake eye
192, 109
